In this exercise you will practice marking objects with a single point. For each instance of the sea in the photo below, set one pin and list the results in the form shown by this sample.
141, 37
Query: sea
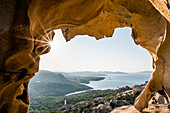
115, 81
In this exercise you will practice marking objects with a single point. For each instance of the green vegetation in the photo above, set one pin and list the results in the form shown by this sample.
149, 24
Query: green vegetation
85, 80
47, 104
129, 98
47, 83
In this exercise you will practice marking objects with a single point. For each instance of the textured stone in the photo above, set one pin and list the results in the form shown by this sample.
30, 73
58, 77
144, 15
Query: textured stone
26, 28
158, 99
137, 88
163, 6
151, 109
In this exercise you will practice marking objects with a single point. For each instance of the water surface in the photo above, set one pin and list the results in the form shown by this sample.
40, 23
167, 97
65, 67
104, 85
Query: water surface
113, 81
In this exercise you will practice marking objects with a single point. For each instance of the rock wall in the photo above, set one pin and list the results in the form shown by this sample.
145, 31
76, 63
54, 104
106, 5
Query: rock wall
26, 30
163, 6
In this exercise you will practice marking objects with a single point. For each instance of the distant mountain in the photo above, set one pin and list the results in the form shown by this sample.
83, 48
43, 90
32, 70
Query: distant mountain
47, 83
90, 73
145, 72
110, 72
97, 73
100, 72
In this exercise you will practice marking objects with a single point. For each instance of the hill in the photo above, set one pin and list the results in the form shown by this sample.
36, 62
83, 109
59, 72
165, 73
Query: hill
91, 73
47, 83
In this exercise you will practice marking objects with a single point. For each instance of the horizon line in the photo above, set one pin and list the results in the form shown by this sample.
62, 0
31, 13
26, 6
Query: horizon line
97, 71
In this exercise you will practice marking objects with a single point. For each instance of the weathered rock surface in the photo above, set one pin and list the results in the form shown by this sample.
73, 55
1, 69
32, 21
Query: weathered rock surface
26, 29
151, 109
158, 99
163, 6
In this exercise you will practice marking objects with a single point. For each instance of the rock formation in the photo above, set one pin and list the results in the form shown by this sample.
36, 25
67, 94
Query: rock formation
26, 30
161, 108
120, 102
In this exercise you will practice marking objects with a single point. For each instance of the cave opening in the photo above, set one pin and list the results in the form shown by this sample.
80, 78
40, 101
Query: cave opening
85, 53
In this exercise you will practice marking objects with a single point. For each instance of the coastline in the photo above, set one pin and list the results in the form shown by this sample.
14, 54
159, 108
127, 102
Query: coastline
86, 84
115, 81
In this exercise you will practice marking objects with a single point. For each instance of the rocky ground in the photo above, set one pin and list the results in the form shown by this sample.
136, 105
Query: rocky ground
121, 103
152, 108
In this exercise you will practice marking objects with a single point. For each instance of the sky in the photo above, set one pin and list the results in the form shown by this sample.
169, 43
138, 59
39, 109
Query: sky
85, 53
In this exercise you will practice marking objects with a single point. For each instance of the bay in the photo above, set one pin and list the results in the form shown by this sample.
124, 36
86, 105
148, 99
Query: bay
115, 81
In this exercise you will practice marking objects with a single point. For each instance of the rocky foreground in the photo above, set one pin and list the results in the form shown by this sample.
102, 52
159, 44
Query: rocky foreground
152, 108
121, 103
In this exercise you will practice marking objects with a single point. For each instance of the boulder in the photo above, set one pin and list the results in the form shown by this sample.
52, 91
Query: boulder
128, 92
118, 103
100, 100
101, 108
137, 88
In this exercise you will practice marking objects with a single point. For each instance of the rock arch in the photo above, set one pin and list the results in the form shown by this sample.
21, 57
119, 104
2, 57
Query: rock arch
26, 29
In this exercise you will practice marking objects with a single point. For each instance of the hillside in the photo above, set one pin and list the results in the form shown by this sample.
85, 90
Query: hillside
47, 83
84, 101
100, 101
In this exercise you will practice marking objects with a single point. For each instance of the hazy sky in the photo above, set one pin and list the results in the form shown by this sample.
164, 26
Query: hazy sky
84, 53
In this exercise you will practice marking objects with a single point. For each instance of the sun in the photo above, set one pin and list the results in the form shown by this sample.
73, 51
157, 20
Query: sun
50, 43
